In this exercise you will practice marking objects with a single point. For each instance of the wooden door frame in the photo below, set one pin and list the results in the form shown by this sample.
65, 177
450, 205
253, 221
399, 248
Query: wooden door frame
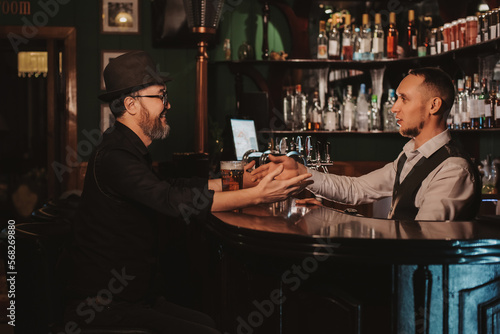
69, 179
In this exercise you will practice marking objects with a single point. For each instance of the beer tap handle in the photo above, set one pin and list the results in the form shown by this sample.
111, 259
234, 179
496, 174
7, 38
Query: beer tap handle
293, 145
327, 152
308, 148
318, 152
283, 147
270, 145
300, 148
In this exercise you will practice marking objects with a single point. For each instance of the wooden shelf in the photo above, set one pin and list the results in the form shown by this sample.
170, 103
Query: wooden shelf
321, 132
475, 50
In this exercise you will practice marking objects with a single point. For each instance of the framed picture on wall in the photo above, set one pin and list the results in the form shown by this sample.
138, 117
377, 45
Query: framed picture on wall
120, 17
107, 118
106, 56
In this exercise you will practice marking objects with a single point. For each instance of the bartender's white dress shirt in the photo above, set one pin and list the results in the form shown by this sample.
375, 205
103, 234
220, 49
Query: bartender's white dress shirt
443, 193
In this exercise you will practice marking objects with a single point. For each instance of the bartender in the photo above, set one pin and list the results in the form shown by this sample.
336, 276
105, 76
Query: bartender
432, 178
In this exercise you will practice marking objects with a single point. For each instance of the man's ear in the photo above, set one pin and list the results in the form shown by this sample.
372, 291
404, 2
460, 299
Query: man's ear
130, 106
436, 103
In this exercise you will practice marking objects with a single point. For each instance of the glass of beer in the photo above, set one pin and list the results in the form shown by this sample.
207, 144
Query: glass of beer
232, 175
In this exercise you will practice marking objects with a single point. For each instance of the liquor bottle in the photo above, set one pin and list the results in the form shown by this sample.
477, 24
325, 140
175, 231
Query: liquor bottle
347, 52
389, 117
424, 48
493, 24
334, 39
450, 121
362, 110
356, 42
457, 117
462, 106
497, 113
288, 103
322, 41
411, 34
483, 96
375, 117
453, 120
330, 116
490, 106
485, 27
453, 34
476, 105
433, 41
378, 38
392, 37
314, 117
300, 110
349, 111
439, 40
366, 39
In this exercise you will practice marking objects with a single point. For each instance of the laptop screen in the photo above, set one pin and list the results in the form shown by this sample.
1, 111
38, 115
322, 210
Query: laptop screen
244, 136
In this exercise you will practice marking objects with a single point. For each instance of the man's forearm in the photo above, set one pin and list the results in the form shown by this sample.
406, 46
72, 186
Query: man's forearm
230, 200
215, 184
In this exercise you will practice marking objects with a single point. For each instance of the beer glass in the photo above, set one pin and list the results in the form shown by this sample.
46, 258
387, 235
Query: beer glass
232, 175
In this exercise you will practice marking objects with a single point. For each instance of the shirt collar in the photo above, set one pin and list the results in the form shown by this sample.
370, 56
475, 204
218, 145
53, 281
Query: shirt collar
132, 137
430, 146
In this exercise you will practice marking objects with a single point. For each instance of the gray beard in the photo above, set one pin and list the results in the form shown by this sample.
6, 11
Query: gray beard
153, 128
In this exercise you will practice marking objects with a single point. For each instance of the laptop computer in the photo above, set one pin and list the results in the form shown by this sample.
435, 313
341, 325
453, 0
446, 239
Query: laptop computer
244, 136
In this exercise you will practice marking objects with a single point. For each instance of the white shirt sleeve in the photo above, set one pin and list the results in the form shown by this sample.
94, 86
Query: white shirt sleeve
442, 195
355, 190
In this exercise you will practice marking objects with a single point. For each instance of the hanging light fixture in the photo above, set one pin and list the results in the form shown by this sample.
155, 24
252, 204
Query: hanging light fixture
203, 18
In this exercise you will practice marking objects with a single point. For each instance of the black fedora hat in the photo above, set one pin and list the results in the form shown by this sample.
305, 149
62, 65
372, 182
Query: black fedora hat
130, 72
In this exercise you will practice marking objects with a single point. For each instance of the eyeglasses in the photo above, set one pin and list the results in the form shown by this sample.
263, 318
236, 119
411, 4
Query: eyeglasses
162, 97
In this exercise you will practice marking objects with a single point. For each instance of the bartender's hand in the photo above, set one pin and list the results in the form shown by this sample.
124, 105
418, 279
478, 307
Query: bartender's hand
291, 168
309, 202
248, 181
273, 189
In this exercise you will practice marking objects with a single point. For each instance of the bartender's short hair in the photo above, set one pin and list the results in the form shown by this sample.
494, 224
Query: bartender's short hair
437, 81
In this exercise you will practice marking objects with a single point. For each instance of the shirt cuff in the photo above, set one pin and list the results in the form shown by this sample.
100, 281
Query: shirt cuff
317, 179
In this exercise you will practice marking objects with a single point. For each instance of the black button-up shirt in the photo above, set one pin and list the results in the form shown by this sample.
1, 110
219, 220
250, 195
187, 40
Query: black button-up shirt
115, 231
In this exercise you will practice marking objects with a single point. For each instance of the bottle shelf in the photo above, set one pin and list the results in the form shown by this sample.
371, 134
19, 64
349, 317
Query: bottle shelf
321, 132
488, 47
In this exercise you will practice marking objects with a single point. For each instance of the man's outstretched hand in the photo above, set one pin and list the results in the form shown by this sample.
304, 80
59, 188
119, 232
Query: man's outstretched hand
291, 168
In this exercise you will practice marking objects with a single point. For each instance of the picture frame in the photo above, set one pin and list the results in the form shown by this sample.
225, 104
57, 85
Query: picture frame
107, 117
106, 56
120, 17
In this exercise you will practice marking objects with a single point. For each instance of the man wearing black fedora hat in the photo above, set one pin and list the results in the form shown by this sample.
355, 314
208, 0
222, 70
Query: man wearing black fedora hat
115, 244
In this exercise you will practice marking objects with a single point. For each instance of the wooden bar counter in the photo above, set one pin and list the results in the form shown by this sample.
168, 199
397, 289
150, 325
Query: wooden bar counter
286, 268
